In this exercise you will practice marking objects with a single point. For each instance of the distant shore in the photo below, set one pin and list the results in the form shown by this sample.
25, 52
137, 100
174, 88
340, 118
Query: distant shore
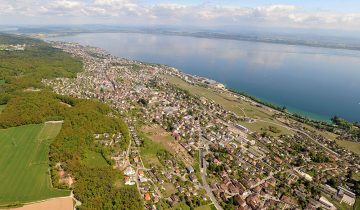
213, 35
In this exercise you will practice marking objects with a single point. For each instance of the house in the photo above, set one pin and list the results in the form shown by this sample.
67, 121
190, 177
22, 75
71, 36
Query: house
192, 178
253, 201
288, 200
129, 171
140, 173
174, 198
242, 128
147, 188
217, 162
129, 181
147, 196
142, 179
181, 190
233, 189
278, 160
190, 169
328, 189
176, 135
239, 201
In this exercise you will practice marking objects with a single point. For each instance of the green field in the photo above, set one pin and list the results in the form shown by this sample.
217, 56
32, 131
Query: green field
169, 189
2, 107
356, 176
50, 130
181, 206
226, 100
95, 159
352, 146
205, 207
24, 163
357, 204
149, 152
230, 103
261, 126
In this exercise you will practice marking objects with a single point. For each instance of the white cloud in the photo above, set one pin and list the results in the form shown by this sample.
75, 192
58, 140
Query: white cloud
133, 12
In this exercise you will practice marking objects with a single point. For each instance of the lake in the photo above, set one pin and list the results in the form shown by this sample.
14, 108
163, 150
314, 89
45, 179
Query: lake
316, 82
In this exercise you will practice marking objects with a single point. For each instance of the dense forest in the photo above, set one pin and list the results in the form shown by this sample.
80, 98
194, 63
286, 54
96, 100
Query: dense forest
28, 101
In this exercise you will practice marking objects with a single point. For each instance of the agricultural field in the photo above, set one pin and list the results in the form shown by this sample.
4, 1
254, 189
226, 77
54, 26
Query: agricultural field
50, 130
61, 203
24, 163
352, 146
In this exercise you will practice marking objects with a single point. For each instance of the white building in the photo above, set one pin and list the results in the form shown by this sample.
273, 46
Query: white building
129, 171
326, 204
346, 196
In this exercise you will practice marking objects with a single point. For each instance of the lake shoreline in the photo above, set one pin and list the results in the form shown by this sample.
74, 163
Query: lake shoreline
251, 97
296, 77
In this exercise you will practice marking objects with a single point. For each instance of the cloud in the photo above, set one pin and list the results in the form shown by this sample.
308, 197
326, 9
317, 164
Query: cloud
134, 12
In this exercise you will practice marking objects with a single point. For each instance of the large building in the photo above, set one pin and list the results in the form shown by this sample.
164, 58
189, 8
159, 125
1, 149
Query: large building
242, 128
326, 204
346, 196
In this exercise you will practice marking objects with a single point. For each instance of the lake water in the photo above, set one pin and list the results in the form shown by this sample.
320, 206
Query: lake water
316, 82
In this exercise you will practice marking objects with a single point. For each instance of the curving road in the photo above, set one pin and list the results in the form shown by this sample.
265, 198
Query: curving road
204, 182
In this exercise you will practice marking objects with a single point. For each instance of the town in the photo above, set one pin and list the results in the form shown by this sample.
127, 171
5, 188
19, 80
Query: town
18, 47
209, 155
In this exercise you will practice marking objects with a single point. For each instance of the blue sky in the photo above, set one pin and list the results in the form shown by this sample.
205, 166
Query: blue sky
307, 14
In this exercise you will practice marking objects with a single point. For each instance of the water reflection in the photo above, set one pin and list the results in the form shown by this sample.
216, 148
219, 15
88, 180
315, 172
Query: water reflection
319, 81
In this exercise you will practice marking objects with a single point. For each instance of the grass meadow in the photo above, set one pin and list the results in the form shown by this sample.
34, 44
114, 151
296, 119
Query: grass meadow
349, 145
2, 107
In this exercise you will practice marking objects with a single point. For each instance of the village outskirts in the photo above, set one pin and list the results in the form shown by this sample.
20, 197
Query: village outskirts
210, 156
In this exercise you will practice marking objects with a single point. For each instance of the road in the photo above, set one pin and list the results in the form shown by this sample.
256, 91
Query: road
264, 180
142, 166
205, 184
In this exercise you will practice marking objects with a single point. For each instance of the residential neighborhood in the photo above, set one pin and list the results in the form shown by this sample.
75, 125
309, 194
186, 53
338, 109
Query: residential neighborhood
208, 155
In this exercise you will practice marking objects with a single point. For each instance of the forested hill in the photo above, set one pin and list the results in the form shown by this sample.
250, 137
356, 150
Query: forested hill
25, 68
17, 39
25, 100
